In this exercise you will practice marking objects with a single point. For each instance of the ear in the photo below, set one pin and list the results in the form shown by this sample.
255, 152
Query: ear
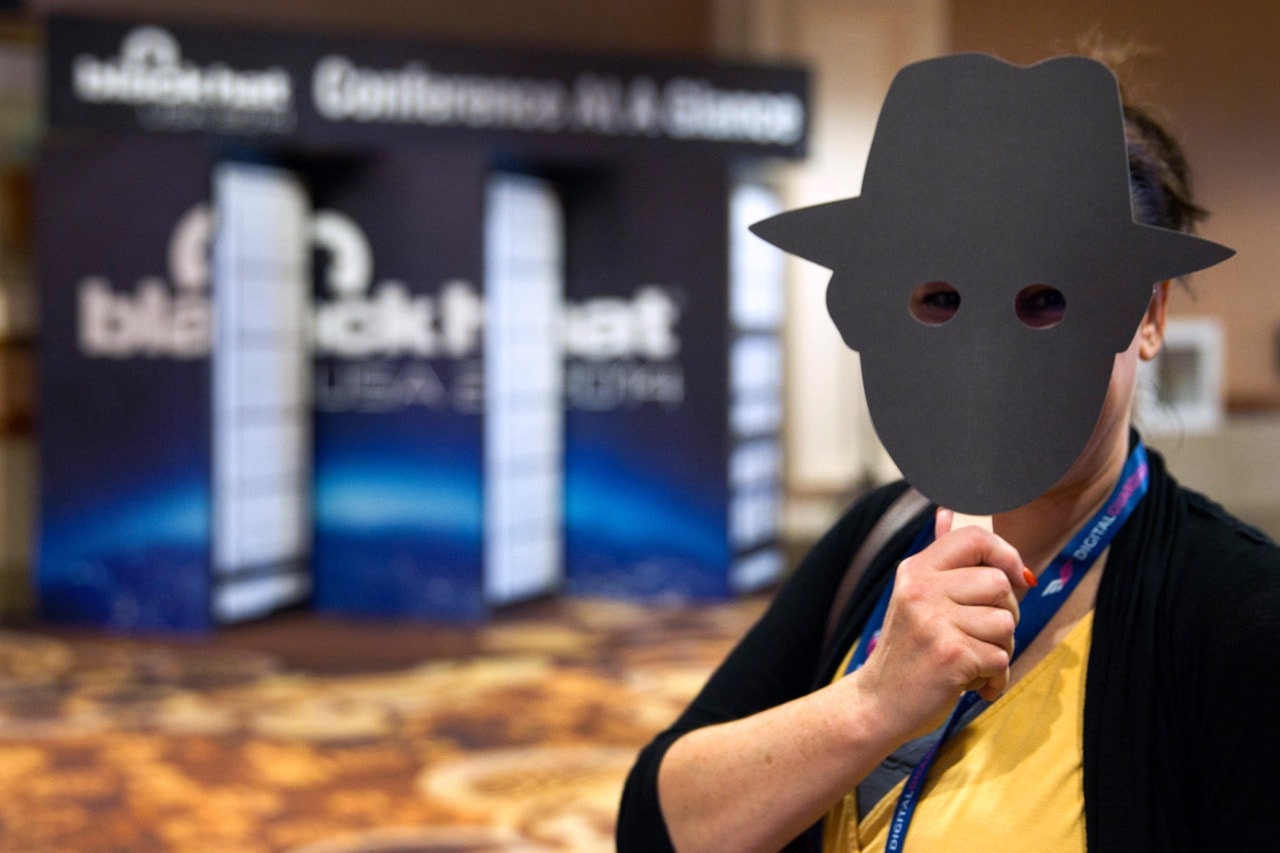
1151, 332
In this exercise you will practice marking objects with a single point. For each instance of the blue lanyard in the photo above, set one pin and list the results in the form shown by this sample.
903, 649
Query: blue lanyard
1037, 608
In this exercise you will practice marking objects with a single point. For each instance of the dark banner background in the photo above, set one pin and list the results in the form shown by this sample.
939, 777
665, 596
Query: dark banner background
124, 442
646, 479
399, 486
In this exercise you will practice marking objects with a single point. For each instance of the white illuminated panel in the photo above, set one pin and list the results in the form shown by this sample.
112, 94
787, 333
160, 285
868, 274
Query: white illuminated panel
524, 378
261, 391
755, 268
755, 391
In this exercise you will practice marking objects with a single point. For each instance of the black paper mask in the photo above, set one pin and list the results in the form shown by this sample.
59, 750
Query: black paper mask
991, 178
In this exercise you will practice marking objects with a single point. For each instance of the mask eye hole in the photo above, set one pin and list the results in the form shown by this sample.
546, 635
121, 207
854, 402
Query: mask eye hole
934, 303
1040, 306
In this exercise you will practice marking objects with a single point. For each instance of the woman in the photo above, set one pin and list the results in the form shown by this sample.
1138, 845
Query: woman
1174, 631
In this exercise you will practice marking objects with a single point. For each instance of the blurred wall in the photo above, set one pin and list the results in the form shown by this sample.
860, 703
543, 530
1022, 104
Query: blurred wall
662, 26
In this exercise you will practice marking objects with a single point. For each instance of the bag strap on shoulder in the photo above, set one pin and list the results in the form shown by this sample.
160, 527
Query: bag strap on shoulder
899, 513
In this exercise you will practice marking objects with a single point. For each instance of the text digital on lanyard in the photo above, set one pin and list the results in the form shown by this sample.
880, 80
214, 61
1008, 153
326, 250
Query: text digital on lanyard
1037, 609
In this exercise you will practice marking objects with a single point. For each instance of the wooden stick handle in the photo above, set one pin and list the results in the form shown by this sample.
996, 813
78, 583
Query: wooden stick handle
962, 520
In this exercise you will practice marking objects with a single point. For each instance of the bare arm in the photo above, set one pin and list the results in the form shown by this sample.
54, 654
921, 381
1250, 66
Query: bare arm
755, 783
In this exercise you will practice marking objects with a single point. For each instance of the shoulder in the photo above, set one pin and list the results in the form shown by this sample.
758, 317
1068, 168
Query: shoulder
1222, 635
1219, 550
1194, 579
807, 596
827, 559
1227, 580
1180, 672
1191, 552
1218, 522
861, 515
838, 544
856, 556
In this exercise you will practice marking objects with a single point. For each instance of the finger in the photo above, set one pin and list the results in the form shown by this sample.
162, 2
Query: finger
972, 546
981, 586
942, 522
993, 688
923, 588
994, 676
993, 671
992, 626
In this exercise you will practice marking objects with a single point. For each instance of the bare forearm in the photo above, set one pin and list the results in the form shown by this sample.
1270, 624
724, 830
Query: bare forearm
756, 783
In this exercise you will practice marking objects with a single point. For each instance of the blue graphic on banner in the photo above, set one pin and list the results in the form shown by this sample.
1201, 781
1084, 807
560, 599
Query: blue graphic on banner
399, 535
139, 563
631, 534
646, 432
398, 477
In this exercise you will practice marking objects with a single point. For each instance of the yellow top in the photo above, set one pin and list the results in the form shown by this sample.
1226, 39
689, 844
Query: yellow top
1009, 780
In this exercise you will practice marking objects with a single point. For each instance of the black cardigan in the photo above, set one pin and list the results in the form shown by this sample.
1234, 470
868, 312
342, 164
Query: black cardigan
1182, 699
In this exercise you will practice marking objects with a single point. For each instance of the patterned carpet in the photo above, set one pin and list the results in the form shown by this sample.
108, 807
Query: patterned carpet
309, 735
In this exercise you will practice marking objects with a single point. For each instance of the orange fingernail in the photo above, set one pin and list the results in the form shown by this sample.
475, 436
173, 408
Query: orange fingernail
1029, 576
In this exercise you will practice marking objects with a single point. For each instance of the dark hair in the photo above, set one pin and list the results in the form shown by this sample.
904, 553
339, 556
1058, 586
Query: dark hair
1159, 178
